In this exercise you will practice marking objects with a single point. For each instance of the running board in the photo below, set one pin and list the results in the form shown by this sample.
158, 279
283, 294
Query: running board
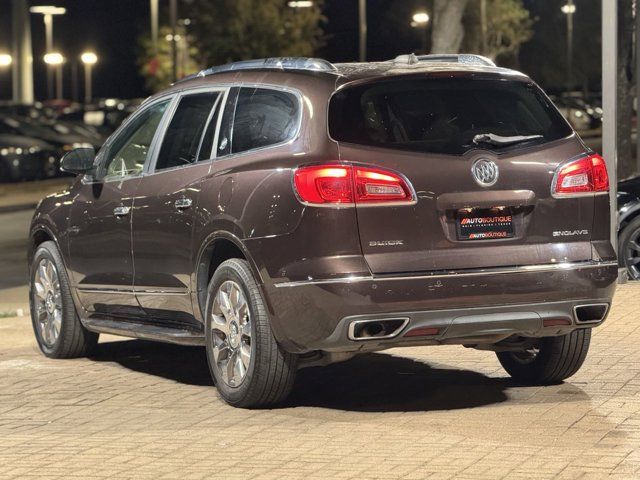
144, 331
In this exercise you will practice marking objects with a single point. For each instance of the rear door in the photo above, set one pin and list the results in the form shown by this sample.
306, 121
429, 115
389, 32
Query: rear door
478, 205
164, 208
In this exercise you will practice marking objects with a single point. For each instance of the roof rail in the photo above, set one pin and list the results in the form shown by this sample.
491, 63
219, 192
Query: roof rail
465, 58
275, 63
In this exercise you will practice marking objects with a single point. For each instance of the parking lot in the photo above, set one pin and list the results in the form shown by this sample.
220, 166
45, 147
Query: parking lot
144, 410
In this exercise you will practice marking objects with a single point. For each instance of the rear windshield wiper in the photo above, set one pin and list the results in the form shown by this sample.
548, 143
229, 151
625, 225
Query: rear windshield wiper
499, 140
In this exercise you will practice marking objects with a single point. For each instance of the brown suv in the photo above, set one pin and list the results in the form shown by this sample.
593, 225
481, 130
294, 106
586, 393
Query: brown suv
289, 212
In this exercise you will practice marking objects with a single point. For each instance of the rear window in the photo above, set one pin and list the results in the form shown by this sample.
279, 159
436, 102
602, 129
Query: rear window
442, 115
263, 117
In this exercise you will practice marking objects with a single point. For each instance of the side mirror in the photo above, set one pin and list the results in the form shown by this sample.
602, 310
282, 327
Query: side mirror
78, 161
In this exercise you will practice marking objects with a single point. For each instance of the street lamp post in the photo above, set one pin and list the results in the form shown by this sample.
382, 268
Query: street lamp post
421, 20
362, 16
56, 60
48, 11
173, 17
569, 9
300, 4
89, 59
5, 60
154, 26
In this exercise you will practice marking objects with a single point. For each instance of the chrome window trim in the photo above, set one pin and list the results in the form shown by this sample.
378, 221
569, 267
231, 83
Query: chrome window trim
171, 96
222, 102
158, 141
296, 134
549, 267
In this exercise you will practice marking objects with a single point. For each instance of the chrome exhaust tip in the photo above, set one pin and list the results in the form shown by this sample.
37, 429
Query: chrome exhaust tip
378, 329
590, 313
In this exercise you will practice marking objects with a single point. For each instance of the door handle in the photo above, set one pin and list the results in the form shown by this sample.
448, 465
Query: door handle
121, 211
183, 203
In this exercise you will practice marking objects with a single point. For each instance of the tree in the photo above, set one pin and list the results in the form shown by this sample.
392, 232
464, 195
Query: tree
508, 25
626, 164
231, 30
448, 32
156, 69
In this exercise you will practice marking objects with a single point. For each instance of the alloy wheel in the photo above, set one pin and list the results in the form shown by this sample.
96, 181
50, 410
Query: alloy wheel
47, 299
231, 333
632, 254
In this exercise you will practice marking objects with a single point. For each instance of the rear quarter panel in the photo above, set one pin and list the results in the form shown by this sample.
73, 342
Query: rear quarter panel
249, 197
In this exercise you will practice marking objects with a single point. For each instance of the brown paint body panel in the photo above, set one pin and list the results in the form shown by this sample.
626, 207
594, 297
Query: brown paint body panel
152, 266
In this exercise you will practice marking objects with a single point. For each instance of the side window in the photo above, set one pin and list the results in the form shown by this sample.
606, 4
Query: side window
206, 145
224, 137
182, 138
263, 117
129, 150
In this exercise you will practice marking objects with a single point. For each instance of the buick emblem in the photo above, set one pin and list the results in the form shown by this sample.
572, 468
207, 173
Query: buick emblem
485, 172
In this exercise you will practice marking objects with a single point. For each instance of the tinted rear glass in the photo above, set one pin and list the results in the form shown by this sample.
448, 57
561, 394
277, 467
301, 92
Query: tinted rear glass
442, 115
263, 117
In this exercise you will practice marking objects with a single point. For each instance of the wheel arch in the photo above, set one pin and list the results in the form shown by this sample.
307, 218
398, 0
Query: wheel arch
40, 234
627, 212
220, 246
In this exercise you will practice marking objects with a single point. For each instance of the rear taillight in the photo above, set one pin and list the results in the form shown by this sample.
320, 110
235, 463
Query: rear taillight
338, 183
585, 175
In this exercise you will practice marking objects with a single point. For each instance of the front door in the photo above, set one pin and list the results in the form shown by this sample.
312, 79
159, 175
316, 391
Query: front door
163, 211
100, 223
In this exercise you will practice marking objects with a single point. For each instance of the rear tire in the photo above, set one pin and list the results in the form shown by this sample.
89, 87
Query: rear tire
248, 366
556, 359
56, 324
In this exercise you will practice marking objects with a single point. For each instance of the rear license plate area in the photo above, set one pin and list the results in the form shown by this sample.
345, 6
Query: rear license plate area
484, 224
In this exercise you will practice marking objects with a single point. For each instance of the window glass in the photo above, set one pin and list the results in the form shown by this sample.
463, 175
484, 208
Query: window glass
206, 145
182, 138
442, 115
224, 137
263, 117
129, 150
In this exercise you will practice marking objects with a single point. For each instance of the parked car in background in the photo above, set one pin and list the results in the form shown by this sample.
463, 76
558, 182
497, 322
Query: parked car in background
286, 213
103, 116
26, 158
629, 226
583, 113
58, 137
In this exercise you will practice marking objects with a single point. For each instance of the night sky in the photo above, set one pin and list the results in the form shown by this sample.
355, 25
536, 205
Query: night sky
111, 28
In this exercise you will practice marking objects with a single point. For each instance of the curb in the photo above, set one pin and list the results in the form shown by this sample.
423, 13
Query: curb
18, 208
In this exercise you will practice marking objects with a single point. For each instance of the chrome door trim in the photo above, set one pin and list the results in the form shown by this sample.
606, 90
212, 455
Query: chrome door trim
132, 291
551, 267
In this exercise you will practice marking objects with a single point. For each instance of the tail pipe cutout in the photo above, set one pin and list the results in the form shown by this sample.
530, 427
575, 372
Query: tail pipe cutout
376, 329
591, 313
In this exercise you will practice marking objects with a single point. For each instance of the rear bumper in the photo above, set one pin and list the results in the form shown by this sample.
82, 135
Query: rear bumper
473, 306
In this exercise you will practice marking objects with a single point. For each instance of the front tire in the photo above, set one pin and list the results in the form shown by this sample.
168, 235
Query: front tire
551, 360
56, 324
247, 365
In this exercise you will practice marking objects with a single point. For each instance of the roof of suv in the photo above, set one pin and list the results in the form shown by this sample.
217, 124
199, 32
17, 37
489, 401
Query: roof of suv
347, 72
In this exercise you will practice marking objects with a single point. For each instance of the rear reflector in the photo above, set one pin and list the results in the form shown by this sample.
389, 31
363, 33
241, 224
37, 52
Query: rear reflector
338, 183
422, 332
554, 322
585, 175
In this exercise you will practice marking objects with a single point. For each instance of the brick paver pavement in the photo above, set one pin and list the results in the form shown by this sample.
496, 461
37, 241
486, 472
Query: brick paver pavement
144, 410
